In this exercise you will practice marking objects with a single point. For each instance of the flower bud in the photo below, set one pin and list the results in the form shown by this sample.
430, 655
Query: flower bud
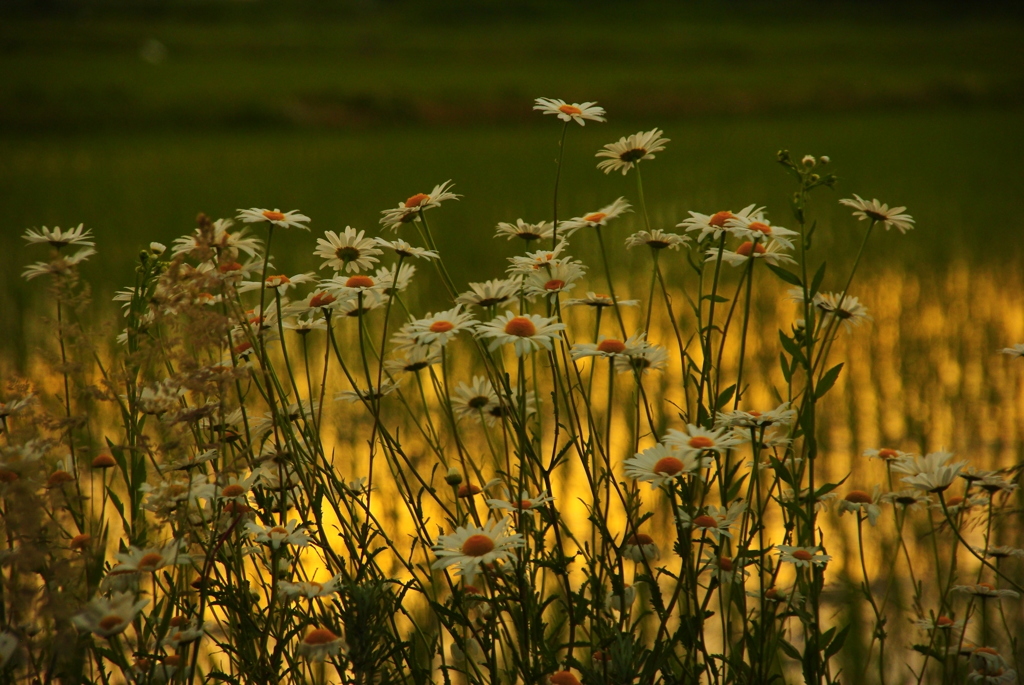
157, 248
809, 160
454, 477
824, 159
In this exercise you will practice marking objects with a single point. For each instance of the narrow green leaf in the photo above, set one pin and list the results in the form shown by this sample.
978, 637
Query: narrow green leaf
786, 275
827, 381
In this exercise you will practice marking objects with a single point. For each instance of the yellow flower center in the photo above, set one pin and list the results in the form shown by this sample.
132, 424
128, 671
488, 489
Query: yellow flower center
320, 636
595, 218
611, 346
521, 327
417, 200
571, 110
359, 282
273, 216
701, 442
477, 545
669, 466
441, 326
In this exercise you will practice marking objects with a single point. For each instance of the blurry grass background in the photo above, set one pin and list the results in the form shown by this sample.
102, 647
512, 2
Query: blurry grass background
133, 117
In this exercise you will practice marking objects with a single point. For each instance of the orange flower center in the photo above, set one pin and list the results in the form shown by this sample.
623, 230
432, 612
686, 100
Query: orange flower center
320, 636
524, 504
746, 248
987, 586
233, 490
477, 545
802, 555
701, 442
172, 660
237, 508
110, 622
858, 497
322, 300
468, 490
705, 521
417, 200
887, 453
277, 281
103, 461
441, 326
718, 219
228, 267
521, 327
178, 621
669, 466
59, 478
570, 110
7, 476
943, 622
80, 541
563, 677
273, 216
985, 650
595, 218
760, 227
554, 284
151, 560
725, 563
359, 282
771, 593
640, 539
611, 346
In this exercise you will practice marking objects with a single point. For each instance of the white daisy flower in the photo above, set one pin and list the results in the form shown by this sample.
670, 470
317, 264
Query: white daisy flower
580, 112
1015, 351
660, 465
888, 454
107, 617
59, 238
183, 632
598, 301
349, 288
217, 237
985, 591
715, 224
932, 473
528, 232
630, 150
371, 395
275, 536
939, 623
440, 328
523, 503
420, 202
276, 217
58, 266
643, 358
847, 308
803, 556
490, 293
757, 228
771, 253
349, 252
532, 261
472, 399
906, 499
321, 643
280, 282
656, 240
310, 589
150, 560
874, 211
639, 547
470, 546
416, 359
715, 520
404, 249
781, 415
595, 219
859, 501
609, 347
386, 280
526, 333
557, 278
697, 439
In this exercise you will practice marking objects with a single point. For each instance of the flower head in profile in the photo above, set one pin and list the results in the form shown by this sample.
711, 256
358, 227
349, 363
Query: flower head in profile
310, 589
416, 359
656, 240
525, 333
860, 502
580, 112
470, 546
557, 278
643, 358
781, 415
150, 560
1015, 351
771, 252
660, 465
847, 308
986, 591
609, 347
596, 219
757, 228
524, 231
523, 503
404, 249
413, 206
874, 211
697, 439
803, 556
715, 520
630, 150
107, 617
716, 224
348, 251
292, 219
321, 643
931, 473
59, 238
490, 293
275, 536
599, 301
57, 267
639, 547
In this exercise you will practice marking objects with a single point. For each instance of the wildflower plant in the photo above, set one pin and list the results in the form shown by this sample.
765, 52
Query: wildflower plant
199, 506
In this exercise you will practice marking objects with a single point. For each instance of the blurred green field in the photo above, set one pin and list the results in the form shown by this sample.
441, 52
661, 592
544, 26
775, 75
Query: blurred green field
346, 114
